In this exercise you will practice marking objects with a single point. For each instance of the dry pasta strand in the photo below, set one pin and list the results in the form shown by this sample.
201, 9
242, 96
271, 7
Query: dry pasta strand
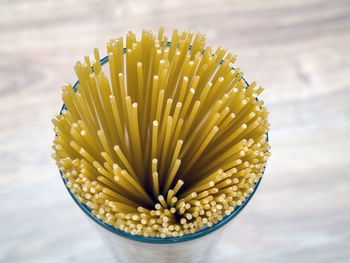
161, 141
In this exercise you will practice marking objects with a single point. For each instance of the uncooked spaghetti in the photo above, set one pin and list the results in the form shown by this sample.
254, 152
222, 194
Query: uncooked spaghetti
170, 140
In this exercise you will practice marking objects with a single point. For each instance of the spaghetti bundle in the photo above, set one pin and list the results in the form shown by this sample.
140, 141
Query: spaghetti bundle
169, 140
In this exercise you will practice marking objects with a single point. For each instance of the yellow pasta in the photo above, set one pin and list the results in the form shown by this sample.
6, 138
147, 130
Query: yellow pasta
165, 139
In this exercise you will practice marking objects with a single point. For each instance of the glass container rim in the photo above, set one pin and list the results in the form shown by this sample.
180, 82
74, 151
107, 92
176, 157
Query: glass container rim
159, 240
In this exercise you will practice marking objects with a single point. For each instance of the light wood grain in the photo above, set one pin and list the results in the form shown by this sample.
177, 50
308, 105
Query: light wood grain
298, 50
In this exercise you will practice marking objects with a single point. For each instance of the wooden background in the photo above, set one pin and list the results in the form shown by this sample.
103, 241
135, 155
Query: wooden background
298, 50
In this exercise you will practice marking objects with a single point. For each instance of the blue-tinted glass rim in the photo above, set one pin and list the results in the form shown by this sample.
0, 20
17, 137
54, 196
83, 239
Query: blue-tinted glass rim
159, 240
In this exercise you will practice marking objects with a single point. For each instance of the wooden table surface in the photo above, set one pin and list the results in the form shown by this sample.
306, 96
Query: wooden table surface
298, 50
